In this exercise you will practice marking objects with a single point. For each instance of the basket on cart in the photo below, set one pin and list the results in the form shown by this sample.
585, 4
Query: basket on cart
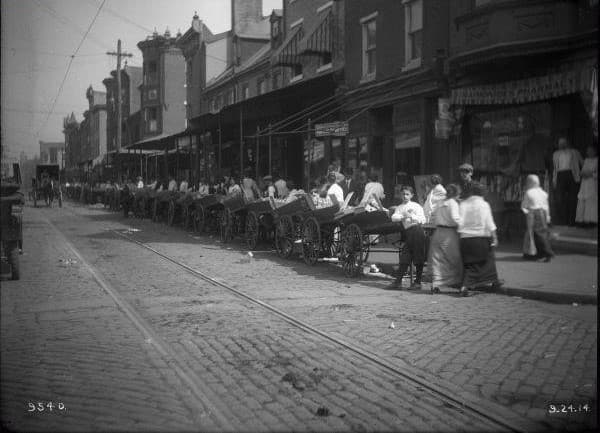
289, 218
206, 212
185, 204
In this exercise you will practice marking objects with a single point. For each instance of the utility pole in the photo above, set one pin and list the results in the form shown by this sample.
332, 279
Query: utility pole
119, 54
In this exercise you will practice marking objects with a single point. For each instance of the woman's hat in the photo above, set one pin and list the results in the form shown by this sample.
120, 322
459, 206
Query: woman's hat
268, 178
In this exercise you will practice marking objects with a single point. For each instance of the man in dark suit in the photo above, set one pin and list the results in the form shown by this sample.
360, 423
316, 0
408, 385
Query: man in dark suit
348, 182
357, 187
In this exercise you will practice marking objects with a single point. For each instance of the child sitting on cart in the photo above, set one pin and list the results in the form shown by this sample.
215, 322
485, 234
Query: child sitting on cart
412, 217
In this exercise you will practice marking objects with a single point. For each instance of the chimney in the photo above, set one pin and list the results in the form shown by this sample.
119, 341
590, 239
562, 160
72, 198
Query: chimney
244, 13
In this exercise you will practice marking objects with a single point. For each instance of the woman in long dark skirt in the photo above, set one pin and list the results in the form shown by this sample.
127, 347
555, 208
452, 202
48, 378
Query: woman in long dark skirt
536, 244
478, 239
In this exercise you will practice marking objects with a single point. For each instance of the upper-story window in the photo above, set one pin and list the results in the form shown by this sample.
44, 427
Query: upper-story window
276, 80
261, 87
231, 96
152, 94
245, 91
369, 45
152, 118
413, 13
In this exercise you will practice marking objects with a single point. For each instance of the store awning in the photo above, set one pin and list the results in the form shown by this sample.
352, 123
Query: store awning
288, 53
158, 142
523, 91
319, 39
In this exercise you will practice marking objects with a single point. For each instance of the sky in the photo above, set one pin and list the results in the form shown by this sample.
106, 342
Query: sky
40, 36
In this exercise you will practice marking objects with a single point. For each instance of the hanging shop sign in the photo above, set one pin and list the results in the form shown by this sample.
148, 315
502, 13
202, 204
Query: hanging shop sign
335, 129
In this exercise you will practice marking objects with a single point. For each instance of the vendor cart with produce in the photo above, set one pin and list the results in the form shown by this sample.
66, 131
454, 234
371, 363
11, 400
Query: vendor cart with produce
160, 209
320, 234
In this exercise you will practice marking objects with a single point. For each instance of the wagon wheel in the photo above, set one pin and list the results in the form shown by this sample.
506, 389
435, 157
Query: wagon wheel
284, 236
198, 219
311, 241
226, 223
352, 250
171, 212
251, 230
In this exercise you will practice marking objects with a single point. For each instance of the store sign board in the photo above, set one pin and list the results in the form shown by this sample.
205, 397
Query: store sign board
407, 140
519, 91
336, 129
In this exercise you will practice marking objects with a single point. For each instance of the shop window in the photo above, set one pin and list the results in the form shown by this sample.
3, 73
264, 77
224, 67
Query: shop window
413, 17
369, 37
152, 117
506, 144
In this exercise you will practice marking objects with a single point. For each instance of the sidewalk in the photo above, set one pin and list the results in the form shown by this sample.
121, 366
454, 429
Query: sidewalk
569, 278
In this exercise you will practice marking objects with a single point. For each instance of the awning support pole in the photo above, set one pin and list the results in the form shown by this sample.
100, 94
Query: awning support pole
270, 150
241, 143
257, 156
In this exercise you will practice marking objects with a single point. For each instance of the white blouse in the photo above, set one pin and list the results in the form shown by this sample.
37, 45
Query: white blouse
476, 218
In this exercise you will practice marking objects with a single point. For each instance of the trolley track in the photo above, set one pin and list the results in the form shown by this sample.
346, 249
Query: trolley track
490, 414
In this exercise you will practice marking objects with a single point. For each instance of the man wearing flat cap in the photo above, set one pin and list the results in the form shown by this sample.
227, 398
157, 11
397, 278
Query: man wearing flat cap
466, 179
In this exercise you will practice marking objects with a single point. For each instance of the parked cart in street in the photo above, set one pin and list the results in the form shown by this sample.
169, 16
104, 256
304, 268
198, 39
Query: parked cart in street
260, 221
320, 234
289, 218
47, 184
143, 202
160, 208
359, 231
233, 217
206, 213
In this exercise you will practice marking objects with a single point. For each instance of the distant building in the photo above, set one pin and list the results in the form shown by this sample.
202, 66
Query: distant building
162, 90
52, 153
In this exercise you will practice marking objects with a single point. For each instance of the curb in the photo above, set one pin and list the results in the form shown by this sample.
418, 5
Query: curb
538, 295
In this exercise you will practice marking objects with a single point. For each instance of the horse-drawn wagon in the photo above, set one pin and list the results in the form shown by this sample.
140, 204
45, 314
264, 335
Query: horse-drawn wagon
46, 185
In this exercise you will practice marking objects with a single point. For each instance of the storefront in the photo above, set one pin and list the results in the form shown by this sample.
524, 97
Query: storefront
510, 130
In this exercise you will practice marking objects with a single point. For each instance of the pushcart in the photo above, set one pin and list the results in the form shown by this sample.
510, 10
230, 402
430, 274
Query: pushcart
320, 234
260, 220
289, 218
233, 215
206, 213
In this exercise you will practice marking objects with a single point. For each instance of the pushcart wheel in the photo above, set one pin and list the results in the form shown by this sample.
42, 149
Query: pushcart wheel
171, 213
226, 223
284, 234
332, 241
311, 241
251, 230
199, 219
352, 250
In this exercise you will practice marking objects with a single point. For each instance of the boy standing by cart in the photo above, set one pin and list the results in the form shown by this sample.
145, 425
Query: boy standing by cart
412, 217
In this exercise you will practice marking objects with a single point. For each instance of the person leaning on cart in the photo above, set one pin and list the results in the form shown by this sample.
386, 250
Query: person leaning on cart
411, 215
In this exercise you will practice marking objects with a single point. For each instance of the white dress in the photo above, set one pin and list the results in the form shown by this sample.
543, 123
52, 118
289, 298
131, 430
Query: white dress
587, 199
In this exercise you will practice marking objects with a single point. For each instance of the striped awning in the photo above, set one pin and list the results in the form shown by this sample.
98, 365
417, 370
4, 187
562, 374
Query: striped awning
288, 53
319, 40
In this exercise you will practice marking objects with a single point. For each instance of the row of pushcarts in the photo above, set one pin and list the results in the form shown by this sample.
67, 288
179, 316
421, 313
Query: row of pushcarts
293, 228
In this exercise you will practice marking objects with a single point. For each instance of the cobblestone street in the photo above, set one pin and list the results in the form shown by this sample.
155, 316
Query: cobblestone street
127, 340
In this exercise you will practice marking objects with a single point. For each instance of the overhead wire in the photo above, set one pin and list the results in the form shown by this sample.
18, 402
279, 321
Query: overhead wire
62, 84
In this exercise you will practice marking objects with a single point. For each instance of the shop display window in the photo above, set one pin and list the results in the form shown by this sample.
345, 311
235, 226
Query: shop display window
506, 144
